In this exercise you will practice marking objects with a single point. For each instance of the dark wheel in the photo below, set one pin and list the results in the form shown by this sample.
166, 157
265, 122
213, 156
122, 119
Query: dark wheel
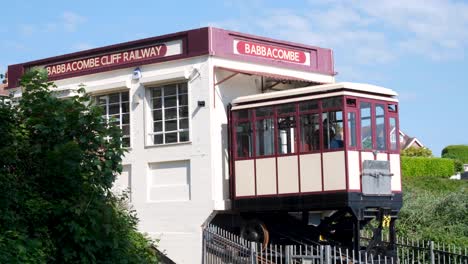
255, 231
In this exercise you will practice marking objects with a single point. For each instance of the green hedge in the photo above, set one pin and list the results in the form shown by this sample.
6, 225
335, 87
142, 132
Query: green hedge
459, 152
426, 167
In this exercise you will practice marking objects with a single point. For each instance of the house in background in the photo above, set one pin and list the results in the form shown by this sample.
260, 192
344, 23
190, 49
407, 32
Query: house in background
407, 141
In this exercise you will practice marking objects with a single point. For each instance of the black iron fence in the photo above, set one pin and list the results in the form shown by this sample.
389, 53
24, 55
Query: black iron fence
220, 246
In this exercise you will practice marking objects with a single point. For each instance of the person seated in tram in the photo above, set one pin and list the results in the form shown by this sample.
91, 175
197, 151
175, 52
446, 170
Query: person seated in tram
337, 141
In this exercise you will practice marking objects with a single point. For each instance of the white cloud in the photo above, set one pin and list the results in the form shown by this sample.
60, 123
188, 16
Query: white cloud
364, 32
72, 20
27, 30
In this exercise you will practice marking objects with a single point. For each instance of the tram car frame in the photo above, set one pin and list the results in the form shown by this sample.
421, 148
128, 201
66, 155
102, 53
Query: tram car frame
314, 164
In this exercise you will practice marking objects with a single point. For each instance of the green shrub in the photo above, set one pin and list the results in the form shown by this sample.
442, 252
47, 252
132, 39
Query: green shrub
459, 152
426, 167
417, 152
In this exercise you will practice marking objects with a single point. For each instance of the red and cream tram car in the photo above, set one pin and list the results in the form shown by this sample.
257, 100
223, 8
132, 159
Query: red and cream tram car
325, 157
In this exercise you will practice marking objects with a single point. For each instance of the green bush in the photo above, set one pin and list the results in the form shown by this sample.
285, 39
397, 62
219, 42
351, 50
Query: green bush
417, 152
426, 167
459, 152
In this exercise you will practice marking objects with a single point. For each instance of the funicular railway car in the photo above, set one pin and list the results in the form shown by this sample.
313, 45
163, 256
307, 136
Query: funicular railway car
314, 163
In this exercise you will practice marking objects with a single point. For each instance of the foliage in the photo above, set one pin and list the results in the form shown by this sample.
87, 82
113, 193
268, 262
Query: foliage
417, 152
59, 161
426, 167
435, 209
459, 153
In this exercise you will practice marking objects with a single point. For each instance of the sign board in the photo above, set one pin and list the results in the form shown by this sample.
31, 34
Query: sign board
273, 52
159, 50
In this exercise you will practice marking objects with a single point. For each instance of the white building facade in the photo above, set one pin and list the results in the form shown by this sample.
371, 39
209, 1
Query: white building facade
170, 95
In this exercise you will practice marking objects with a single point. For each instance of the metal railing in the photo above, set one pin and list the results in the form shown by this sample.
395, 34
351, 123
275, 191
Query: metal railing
220, 246
423, 251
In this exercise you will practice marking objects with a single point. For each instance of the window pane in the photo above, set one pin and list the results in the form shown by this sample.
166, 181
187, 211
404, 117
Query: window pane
104, 109
170, 113
170, 125
182, 88
183, 99
101, 100
393, 133
171, 137
286, 108
157, 103
170, 101
158, 139
392, 107
126, 130
157, 115
334, 102
264, 111
183, 111
125, 119
183, 123
114, 109
242, 114
157, 126
126, 142
244, 142
125, 97
114, 98
309, 105
265, 137
310, 132
156, 92
125, 108
332, 130
381, 132
366, 127
352, 129
184, 136
286, 135
170, 89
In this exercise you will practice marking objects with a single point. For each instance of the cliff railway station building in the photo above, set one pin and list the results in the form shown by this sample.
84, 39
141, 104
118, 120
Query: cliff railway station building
229, 128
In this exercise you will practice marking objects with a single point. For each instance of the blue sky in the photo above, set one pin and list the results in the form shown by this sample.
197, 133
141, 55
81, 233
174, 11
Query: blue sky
414, 47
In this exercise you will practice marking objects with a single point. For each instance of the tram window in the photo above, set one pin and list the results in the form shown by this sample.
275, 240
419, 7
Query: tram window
381, 132
287, 135
265, 137
310, 132
392, 108
352, 129
334, 102
308, 106
332, 129
244, 140
393, 133
366, 127
264, 111
351, 102
286, 109
242, 114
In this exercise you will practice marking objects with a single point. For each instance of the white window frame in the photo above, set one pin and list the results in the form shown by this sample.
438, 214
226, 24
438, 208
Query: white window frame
107, 116
150, 119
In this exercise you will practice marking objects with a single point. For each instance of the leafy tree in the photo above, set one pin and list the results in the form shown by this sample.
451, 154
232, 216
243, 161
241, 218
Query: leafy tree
58, 162
417, 152
459, 153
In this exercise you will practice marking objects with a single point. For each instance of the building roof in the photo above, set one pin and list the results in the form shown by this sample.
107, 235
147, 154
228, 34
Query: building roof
181, 45
355, 87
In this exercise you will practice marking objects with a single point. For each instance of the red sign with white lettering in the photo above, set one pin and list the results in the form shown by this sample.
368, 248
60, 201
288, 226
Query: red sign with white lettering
271, 52
122, 57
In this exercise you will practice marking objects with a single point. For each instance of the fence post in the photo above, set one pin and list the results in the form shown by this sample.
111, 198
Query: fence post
328, 259
431, 252
287, 255
253, 253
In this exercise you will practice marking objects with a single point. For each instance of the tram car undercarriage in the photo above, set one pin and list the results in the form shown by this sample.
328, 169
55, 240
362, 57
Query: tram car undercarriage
314, 165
